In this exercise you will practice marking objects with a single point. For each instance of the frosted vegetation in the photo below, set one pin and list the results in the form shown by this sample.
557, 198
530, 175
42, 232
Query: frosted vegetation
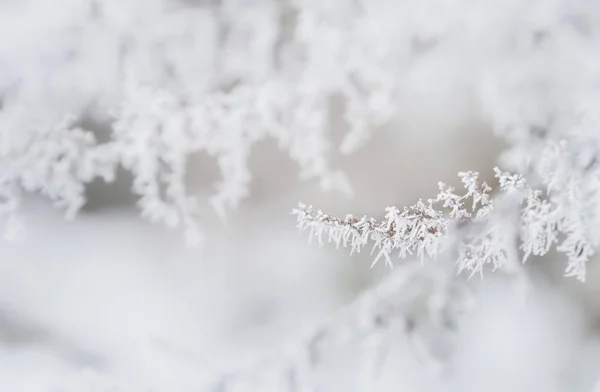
89, 89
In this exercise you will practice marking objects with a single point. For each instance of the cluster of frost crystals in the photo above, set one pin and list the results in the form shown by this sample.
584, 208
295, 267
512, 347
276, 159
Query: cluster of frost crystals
491, 232
415, 229
490, 241
542, 97
170, 78
418, 230
567, 213
55, 161
563, 216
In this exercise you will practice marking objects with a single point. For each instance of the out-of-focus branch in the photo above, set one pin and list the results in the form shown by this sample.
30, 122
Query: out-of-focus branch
410, 298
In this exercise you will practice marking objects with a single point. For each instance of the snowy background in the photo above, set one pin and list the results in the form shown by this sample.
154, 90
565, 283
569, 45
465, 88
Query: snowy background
111, 299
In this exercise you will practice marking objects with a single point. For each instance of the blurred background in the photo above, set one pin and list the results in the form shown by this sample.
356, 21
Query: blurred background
107, 289
115, 296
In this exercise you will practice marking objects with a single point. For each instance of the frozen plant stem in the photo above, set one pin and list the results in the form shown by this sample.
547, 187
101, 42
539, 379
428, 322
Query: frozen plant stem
416, 230
422, 229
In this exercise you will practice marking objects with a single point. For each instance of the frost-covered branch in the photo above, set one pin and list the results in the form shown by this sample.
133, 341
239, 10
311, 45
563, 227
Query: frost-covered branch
418, 230
489, 236
169, 79
415, 230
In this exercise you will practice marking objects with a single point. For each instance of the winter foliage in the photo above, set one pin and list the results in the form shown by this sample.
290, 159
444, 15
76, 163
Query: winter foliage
92, 87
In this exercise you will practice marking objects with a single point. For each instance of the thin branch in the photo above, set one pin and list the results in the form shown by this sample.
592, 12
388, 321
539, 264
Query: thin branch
416, 230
